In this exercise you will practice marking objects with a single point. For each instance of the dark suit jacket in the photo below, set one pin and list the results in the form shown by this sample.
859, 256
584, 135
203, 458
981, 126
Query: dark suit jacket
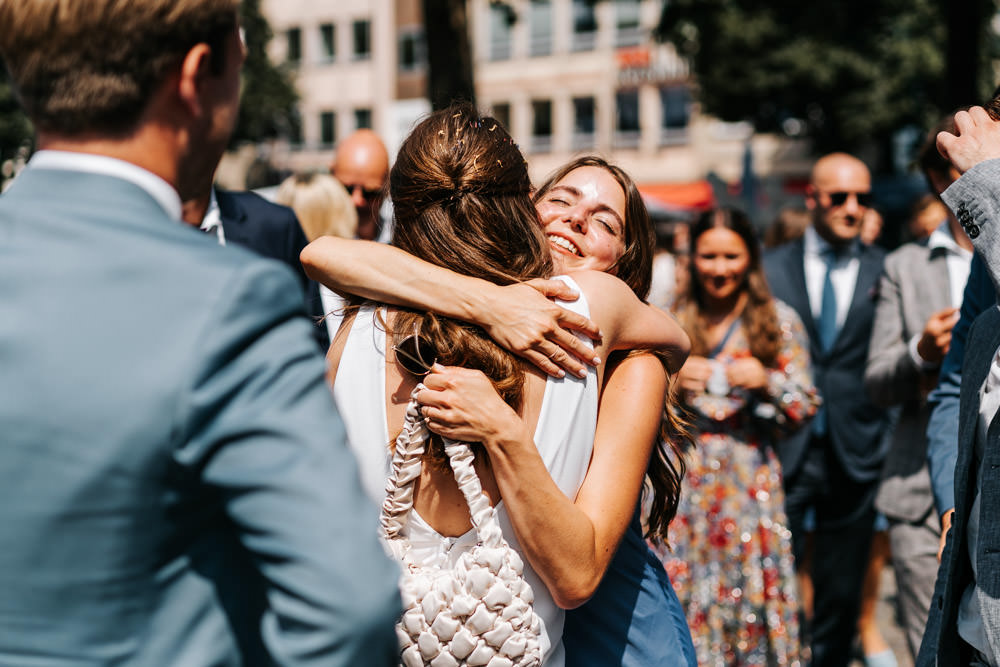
175, 485
856, 424
271, 230
941, 639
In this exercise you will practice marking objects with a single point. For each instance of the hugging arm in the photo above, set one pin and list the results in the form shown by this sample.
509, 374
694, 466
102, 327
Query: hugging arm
568, 541
519, 317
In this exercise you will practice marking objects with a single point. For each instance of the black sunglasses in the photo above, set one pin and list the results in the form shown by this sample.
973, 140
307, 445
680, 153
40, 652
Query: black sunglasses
411, 351
369, 195
840, 198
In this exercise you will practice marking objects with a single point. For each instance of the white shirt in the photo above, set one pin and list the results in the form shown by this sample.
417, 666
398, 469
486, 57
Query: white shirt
157, 188
843, 275
212, 222
958, 261
970, 617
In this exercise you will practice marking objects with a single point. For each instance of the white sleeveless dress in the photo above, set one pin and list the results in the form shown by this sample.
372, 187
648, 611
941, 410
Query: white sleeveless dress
564, 437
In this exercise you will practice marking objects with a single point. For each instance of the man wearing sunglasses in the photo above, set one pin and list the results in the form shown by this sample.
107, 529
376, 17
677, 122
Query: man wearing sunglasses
361, 164
832, 468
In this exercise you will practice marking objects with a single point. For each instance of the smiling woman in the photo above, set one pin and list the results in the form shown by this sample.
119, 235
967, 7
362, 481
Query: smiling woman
745, 384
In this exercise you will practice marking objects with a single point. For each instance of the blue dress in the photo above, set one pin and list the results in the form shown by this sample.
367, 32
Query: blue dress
634, 618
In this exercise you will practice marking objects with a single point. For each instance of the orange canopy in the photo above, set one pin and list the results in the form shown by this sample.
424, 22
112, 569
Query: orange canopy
693, 195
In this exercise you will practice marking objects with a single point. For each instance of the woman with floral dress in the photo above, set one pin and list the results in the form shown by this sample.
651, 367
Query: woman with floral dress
745, 384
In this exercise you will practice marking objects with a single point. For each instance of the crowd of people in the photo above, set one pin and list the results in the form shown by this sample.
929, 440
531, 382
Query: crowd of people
524, 445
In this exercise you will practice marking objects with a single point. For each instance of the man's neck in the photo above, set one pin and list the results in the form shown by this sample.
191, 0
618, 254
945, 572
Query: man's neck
193, 210
146, 148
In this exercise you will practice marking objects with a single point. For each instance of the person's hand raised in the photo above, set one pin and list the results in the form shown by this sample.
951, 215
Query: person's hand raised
977, 139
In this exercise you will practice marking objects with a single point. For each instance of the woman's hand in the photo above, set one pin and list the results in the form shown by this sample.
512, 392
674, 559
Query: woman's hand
461, 404
748, 373
522, 319
694, 374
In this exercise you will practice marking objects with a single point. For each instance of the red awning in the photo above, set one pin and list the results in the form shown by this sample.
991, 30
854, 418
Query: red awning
695, 195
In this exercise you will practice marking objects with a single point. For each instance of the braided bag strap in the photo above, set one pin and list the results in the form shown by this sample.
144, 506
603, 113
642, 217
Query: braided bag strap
405, 470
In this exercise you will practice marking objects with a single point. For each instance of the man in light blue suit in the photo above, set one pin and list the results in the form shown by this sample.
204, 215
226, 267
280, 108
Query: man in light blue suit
174, 483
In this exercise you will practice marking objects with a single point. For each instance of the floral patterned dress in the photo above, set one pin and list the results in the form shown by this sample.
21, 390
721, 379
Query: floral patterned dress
731, 563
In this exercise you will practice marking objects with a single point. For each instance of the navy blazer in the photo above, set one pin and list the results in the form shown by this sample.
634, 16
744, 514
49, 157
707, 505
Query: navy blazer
272, 230
856, 424
941, 643
175, 485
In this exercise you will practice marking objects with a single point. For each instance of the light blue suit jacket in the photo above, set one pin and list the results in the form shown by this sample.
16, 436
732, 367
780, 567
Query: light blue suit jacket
174, 483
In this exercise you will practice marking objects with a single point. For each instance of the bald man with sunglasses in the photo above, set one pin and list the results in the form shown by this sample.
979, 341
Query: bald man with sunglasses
361, 164
830, 278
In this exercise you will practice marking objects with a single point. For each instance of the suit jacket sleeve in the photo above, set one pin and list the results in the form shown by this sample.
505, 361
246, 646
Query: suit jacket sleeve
891, 375
974, 198
265, 441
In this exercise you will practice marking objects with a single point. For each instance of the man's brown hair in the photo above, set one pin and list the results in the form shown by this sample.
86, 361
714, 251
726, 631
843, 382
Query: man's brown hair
82, 66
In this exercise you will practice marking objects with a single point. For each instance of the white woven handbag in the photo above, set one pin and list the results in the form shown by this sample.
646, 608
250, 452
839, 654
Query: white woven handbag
478, 612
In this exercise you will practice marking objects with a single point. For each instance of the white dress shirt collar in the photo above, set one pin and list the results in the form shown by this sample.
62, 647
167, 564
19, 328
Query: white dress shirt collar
942, 238
817, 246
212, 222
162, 192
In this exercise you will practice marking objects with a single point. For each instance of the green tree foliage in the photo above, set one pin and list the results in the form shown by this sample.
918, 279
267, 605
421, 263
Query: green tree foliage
848, 72
267, 104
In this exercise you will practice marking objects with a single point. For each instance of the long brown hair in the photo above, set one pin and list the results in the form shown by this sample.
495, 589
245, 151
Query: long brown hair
759, 316
635, 268
461, 198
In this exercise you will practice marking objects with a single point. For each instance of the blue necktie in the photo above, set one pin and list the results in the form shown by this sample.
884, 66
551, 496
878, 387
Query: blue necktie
828, 306
827, 325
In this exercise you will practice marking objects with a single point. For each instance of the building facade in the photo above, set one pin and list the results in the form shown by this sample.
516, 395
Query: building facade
567, 77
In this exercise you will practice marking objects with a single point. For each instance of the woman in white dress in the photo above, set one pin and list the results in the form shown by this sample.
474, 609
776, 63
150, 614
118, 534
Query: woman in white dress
461, 196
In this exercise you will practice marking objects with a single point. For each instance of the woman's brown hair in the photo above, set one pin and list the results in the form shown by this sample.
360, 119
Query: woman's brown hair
635, 268
759, 316
461, 198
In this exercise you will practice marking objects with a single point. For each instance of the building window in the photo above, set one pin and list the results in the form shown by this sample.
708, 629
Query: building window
500, 28
583, 123
627, 118
327, 128
627, 30
328, 42
295, 129
540, 21
293, 45
541, 126
412, 50
584, 25
362, 39
501, 111
675, 106
362, 119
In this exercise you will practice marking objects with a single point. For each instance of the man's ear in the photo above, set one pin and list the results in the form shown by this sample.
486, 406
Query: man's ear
195, 68
811, 196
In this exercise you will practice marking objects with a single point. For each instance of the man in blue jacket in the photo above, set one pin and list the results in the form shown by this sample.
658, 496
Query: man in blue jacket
175, 487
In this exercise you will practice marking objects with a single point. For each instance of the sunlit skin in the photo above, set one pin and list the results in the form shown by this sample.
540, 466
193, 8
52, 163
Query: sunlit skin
721, 261
583, 216
362, 163
838, 172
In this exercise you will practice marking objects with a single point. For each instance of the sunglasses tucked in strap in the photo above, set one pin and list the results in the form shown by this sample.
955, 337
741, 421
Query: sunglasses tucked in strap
412, 353
840, 198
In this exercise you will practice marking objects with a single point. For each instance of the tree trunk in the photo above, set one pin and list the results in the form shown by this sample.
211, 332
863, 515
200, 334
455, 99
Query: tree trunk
964, 38
449, 53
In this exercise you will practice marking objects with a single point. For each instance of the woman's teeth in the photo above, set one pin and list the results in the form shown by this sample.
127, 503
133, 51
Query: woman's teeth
564, 243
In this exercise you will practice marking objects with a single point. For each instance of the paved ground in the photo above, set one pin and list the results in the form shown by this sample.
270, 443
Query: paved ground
885, 613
